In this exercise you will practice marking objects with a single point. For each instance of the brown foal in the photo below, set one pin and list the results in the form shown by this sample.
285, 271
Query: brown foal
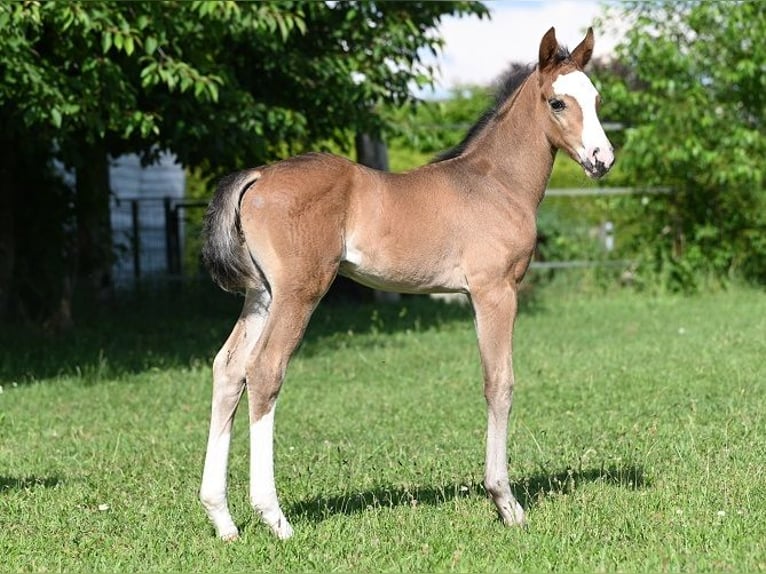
463, 224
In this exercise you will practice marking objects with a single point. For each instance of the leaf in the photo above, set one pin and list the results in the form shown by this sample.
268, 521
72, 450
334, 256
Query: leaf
149, 75
300, 24
56, 117
150, 45
213, 90
283, 27
128, 45
186, 83
106, 42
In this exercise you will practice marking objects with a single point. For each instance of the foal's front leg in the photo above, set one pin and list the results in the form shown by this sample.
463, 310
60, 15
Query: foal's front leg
495, 313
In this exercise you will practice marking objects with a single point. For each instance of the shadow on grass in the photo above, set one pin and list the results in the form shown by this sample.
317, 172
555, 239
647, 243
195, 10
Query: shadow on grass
529, 491
186, 326
8, 483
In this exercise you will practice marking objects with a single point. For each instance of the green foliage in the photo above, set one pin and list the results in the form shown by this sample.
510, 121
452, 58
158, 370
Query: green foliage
434, 126
694, 100
626, 450
220, 83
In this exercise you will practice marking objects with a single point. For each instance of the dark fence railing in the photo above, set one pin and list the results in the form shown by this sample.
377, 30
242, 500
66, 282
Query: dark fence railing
151, 236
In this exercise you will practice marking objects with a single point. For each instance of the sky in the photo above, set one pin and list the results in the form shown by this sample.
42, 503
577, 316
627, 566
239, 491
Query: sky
478, 51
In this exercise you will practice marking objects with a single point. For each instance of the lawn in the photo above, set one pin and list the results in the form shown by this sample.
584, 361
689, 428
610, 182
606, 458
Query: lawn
637, 441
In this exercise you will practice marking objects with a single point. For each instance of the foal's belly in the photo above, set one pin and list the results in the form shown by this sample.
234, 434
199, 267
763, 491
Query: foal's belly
408, 272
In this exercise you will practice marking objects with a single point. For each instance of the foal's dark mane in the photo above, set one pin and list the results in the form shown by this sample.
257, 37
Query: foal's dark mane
509, 83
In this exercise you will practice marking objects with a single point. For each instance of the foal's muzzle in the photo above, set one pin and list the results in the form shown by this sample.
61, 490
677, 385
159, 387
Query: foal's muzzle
598, 162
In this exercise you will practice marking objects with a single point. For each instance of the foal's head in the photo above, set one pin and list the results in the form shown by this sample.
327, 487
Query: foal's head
570, 103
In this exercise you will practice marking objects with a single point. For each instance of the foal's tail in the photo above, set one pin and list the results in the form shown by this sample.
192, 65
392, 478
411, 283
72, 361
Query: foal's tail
224, 251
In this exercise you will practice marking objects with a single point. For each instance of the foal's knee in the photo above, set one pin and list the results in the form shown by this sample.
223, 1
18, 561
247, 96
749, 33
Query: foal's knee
498, 394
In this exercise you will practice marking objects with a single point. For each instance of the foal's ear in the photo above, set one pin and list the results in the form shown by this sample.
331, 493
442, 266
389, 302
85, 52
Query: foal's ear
582, 53
548, 48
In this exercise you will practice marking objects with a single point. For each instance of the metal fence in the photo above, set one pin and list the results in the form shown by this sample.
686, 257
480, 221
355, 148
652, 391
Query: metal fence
603, 233
151, 237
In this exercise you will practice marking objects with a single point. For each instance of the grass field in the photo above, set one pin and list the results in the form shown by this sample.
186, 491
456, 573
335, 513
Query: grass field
637, 441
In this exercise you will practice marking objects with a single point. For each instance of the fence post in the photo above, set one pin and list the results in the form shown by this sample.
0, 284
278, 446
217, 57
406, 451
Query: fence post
172, 240
136, 240
609, 236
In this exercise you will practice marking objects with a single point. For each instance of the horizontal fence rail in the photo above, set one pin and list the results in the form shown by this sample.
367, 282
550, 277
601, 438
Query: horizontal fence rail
605, 191
579, 264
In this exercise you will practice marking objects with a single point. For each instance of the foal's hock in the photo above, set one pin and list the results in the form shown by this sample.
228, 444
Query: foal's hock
463, 224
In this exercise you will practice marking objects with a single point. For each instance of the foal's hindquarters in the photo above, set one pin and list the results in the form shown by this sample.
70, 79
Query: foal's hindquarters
290, 269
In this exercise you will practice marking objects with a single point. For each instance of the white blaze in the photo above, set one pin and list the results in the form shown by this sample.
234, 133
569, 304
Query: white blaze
578, 86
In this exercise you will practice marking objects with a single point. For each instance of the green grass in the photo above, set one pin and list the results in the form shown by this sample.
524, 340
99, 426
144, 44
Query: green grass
636, 442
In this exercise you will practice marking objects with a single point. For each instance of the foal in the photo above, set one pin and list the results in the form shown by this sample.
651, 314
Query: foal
464, 224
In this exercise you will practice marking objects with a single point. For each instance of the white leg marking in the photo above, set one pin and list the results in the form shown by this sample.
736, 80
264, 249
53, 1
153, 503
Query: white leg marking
496, 473
228, 384
213, 489
263, 491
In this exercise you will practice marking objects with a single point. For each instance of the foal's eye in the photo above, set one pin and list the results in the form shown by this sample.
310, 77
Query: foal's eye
556, 104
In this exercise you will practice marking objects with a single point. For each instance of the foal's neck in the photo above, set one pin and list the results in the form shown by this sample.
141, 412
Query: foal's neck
513, 147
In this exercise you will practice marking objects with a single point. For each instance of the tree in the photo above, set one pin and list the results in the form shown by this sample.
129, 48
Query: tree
221, 84
692, 92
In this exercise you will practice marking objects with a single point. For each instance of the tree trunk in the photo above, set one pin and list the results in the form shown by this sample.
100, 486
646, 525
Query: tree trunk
371, 151
7, 243
94, 254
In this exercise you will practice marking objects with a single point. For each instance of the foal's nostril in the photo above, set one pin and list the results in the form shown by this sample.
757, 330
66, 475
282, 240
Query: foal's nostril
603, 157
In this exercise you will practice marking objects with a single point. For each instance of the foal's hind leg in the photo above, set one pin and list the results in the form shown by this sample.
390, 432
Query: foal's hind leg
288, 317
495, 312
228, 385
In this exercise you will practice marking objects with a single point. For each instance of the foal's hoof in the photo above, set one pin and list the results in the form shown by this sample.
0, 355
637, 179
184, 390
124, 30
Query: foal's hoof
282, 529
516, 523
229, 536
512, 514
